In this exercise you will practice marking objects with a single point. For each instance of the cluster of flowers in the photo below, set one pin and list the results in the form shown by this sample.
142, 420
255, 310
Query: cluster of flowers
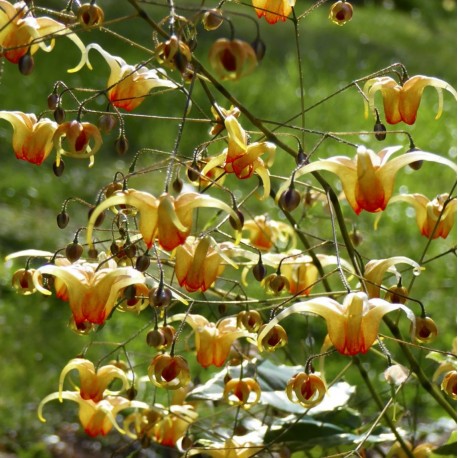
120, 279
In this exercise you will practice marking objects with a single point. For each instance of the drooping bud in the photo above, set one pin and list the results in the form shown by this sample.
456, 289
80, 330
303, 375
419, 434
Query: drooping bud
58, 169
26, 64
121, 145
59, 115
143, 262
177, 185
290, 199
417, 164
160, 296
212, 19
380, 131
73, 251
259, 48
62, 219
106, 123
237, 224
53, 101
259, 270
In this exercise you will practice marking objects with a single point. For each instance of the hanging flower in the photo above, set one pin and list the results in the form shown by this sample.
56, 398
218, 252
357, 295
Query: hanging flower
375, 270
341, 12
94, 383
448, 384
92, 289
266, 233
170, 372
244, 392
74, 139
435, 218
308, 390
32, 137
199, 262
368, 179
401, 102
22, 33
352, 326
273, 10
22, 281
232, 59
129, 85
213, 341
168, 218
241, 158
97, 418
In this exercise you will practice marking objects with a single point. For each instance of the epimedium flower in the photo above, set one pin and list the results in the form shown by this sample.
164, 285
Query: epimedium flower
435, 218
97, 418
77, 139
94, 382
368, 179
220, 114
273, 10
22, 33
242, 158
170, 372
244, 392
213, 340
401, 102
266, 233
128, 85
199, 262
92, 289
167, 217
341, 12
32, 137
375, 270
352, 326
232, 59
308, 390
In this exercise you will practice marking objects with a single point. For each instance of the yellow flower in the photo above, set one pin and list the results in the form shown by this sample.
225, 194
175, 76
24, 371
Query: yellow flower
199, 262
424, 450
168, 218
273, 10
128, 85
308, 390
97, 418
235, 447
434, 218
244, 392
219, 125
368, 179
401, 102
32, 137
92, 289
20, 33
449, 384
376, 269
22, 281
266, 233
241, 158
94, 383
170, 372
352, 326
213, 341
74, 139
232, 59
341, 12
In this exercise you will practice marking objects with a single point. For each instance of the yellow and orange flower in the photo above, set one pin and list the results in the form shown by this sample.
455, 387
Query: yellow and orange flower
368, 179
244, 392
21, 33
401, 103
243, 158
435, 218
128, 85
266, 233
199, 262
308, 390
32, 137
94, 383
213, 341
97, 418
273, 10
170, 372
92, 289
167, 218
232, 59
352, 326
77, 139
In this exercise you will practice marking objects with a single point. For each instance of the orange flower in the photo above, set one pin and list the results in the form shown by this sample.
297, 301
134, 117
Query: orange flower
244, 392
434, 218
128, 85
199, 262
308, 390
97, 418
232, 59
273, 10
32, 138
168, 218
266, 233
352, 326
213, 341
73, 139
243, 158
368, 179
92, 289
401, 103
20, 33
341, 12
170, 372
94, 383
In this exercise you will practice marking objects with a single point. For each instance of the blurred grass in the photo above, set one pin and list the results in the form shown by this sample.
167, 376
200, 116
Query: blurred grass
36, 343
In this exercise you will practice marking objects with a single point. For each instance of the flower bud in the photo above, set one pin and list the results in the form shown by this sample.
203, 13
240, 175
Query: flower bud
380, 131
397, 294
106, 123
259, 270
237, 224
290, 199
160, 296
59, 115
259, 48
341, 12
26, 64
121, 145
73, 251
62, 219
417, 164
212, 19
58, 169
53, 101
177, 185
143, 262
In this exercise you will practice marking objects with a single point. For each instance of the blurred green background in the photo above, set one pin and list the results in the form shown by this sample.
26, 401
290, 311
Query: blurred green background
36, 343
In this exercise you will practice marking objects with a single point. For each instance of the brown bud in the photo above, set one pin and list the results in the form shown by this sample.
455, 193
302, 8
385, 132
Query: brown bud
143, 262
237, 224
160, 296
59, 115
58, 169
380, 131
53, 101
62, 219
121, 145
290, 199
26, 64
73, 251
259, 270
106, 123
